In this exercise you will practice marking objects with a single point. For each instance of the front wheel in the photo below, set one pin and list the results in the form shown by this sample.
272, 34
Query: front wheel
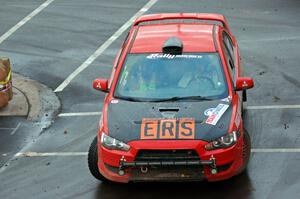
246, 149
93, 161
244, 103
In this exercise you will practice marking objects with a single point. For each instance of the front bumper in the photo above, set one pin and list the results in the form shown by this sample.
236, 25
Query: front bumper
213, 165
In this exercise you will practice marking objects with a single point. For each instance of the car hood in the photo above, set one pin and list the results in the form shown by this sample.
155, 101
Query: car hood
197, 120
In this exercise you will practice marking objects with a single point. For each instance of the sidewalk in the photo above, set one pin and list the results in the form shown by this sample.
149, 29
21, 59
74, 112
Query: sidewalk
33, 108
19, 105
31, 99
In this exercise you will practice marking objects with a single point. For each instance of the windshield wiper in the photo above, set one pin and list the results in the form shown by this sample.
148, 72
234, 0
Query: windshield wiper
176, 98
132, 99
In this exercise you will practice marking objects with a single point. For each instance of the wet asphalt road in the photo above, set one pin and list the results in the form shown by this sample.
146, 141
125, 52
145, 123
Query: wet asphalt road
55, 42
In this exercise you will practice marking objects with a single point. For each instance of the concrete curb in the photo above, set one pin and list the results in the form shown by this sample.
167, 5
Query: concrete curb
18, 106
32, 99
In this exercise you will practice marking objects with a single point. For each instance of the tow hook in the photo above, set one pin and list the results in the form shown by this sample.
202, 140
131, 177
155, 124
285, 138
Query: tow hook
213, 166
121, 171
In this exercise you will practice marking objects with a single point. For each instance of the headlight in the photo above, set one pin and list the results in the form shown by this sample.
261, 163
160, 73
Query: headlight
113, 144
223, 142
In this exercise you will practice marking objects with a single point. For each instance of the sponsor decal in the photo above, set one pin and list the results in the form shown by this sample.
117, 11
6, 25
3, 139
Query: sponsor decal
169, 56
209, 112
183, 128
217, 114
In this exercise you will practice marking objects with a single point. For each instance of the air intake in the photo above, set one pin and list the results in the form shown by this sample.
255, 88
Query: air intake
173, 45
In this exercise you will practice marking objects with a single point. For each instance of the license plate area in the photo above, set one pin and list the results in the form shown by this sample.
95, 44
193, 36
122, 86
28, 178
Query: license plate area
167, 173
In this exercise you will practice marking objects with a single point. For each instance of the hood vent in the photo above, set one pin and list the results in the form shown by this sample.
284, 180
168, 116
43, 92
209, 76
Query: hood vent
173, 46
168, 109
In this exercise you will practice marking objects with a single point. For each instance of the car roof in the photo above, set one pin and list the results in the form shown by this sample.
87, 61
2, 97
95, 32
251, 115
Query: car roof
196, 37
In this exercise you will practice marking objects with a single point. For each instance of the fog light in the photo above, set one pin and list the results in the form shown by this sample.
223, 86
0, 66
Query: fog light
121, 172
213, 171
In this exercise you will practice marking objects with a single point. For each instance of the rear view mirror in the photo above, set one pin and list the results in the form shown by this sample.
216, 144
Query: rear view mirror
101, 85
243, 83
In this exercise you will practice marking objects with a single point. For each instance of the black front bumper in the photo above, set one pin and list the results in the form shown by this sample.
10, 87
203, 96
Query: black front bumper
166, 165
191, 170
124, 164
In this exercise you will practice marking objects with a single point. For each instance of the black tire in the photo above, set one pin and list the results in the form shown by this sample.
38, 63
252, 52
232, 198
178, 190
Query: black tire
244, 95
244, 103
246, 149
93, 161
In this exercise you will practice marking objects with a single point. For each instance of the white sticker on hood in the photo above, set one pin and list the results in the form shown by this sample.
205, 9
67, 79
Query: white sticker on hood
227, 99
217, 114
208, 112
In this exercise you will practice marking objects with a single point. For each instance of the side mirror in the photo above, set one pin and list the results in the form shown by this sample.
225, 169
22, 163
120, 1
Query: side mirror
101, 85
243, 83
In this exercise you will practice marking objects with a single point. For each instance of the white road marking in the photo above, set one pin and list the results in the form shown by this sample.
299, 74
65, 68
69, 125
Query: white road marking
104, 46
78, 114
14, 131
256, 150
36, 154
296, 106
24, 20
7, 128
271, 39
276, 150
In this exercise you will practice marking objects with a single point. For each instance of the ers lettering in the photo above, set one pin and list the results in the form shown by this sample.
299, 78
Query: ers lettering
183, 128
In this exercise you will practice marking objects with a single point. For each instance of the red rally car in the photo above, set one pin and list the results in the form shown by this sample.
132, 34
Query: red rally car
174, 103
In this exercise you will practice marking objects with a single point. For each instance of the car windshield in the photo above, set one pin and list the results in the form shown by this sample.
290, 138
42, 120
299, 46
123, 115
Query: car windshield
154, 77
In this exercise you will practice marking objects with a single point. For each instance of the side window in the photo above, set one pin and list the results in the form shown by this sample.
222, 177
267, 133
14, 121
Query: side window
119, 54
121, 50
229, 64
229, 45
229, 54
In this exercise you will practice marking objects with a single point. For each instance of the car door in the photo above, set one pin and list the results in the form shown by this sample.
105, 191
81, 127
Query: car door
232, 58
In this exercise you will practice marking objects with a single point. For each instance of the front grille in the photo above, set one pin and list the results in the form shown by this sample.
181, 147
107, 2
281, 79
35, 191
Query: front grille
168, 174
163, 165
167, 155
